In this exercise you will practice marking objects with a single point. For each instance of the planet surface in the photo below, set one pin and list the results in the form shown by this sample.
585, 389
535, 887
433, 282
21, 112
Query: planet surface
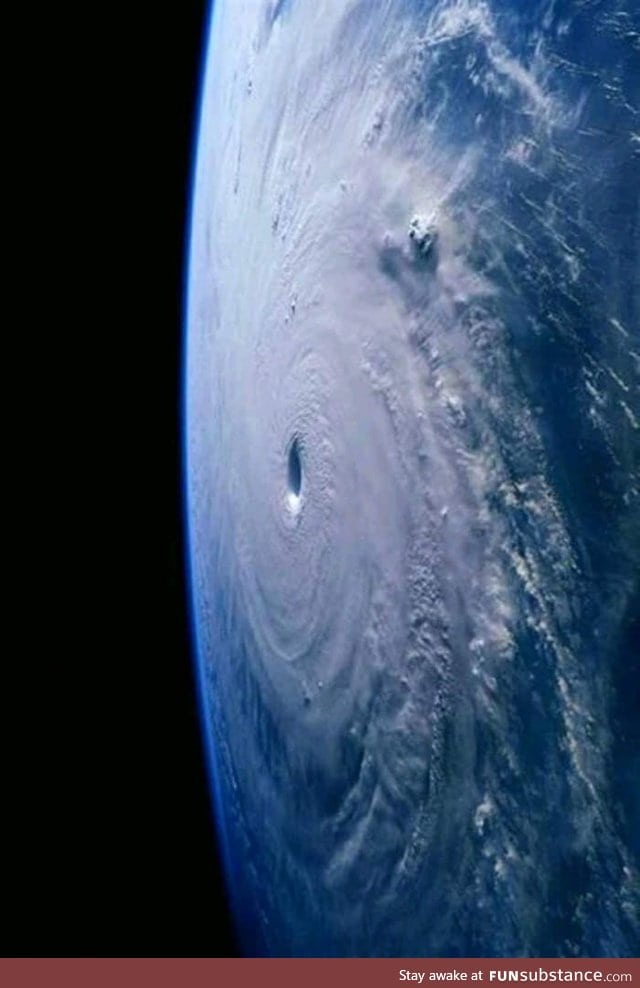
413, 472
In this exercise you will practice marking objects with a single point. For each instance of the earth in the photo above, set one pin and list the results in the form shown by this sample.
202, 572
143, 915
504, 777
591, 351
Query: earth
413, 472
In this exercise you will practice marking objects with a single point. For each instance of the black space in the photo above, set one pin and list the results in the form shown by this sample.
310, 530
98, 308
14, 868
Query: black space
107, 838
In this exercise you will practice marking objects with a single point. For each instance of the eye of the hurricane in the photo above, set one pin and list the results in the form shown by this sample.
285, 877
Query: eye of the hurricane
294, 476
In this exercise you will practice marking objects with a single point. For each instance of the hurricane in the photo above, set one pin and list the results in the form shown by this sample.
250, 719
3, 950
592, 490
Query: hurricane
413, 472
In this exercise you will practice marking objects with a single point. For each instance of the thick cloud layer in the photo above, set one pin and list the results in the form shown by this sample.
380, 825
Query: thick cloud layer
412, 330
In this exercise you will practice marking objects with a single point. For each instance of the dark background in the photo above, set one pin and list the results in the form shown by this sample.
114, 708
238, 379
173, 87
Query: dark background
107, 837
